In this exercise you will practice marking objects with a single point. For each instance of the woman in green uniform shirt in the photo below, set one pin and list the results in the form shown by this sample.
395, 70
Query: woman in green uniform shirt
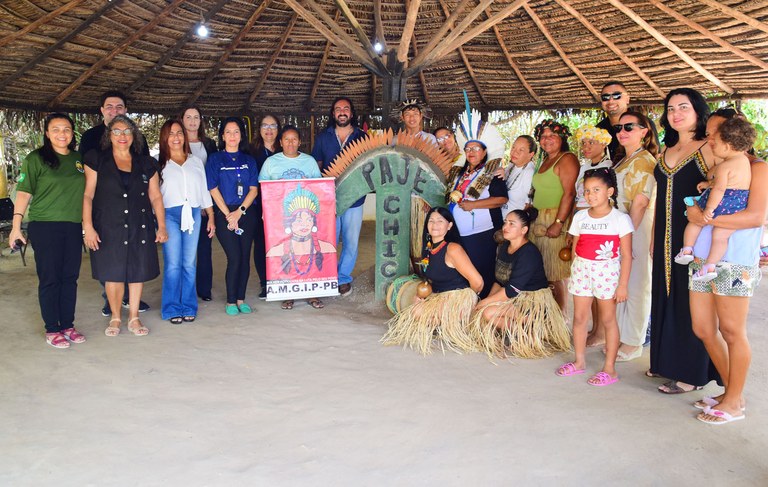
51, 185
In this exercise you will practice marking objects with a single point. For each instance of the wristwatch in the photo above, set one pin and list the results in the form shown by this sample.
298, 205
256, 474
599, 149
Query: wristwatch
557, 220
242, 210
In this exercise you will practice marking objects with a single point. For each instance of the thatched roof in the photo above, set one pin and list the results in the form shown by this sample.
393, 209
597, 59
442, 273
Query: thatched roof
295, 56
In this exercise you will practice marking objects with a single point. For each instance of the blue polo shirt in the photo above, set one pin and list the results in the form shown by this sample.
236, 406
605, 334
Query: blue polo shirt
328, 146
223, 171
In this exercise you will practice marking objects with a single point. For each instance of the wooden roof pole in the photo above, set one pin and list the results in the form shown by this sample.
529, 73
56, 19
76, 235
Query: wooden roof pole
671, 46
362, 36
271, 61
338, 37
380, 37
456, 38
118, 50
709, 35
465, 60
227, 52
429, 54
561, 52
410, 25
422, 78
438, 36
320, 70
53, 48
513, 64
175, 49
37, 23
612, 46
737, 15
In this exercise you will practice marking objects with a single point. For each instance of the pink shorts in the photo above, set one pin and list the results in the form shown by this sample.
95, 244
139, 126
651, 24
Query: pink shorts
594, 278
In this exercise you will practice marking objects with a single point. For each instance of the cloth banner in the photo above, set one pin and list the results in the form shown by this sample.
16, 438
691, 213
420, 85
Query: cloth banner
300, 236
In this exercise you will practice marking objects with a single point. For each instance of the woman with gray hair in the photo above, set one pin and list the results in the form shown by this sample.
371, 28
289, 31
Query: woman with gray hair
122, 190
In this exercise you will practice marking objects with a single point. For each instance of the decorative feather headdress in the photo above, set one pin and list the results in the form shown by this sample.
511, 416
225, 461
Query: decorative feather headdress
300, 199
473, 128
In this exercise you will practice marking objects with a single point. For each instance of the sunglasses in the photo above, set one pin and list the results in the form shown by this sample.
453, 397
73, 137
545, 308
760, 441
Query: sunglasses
616, 95
628, 127
118, 132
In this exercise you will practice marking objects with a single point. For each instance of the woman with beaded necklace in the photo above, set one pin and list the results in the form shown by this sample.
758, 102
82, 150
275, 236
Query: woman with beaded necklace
444, 314
554, 185
636, 195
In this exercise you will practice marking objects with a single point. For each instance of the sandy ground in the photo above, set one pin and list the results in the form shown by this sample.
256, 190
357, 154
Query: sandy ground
310, 397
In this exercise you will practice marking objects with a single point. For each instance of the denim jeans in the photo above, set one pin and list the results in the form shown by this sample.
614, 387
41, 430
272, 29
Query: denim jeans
179, 260
348, 226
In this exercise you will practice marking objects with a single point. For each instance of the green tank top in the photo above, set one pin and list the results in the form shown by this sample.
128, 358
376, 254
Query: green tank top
549, 190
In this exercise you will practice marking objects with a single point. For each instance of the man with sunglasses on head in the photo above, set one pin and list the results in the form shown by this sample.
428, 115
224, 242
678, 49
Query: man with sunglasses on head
111, 104
615, 101
342, 129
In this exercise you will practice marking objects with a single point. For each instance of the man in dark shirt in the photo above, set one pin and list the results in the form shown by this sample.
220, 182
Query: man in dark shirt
615, 100
342, 129
111, 104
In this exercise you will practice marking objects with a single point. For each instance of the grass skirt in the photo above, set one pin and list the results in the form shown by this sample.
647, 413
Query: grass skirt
530, 325
441, 317
555, 268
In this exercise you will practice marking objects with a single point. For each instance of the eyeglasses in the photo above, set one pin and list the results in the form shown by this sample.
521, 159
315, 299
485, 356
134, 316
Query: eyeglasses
474, 148
267, 126
444, 138
628, 127
118, 132
616, 95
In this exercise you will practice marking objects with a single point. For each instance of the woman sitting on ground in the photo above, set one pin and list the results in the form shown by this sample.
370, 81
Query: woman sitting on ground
520, 316
445, 313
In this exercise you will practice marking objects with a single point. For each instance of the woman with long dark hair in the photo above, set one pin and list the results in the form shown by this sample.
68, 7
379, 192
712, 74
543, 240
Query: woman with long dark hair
185, 197
233, 182
51, 186
520, 316
636, 194
201, 146
676, 352
455, 282
265, 144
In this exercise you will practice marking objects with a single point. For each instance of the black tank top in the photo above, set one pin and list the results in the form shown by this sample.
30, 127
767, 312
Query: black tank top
442, 277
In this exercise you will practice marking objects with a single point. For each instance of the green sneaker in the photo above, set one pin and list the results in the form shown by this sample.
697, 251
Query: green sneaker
244, 308
231, 310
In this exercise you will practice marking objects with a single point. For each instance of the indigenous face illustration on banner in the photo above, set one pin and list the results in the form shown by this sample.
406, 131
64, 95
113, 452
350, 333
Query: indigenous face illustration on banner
300, 236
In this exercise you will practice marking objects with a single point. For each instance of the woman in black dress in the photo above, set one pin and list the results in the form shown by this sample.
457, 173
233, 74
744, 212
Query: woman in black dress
676, 352
265, 144
122, 189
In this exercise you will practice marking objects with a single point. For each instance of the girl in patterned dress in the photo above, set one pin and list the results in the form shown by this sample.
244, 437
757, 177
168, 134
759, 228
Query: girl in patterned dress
602, 245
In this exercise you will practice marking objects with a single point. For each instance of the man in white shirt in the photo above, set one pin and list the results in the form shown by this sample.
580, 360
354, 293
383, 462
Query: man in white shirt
412, 114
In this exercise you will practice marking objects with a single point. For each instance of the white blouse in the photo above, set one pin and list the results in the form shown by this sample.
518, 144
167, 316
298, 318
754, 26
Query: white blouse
185, 183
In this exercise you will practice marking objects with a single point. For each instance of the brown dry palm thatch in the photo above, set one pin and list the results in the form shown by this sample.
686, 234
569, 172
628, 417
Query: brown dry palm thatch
296, 56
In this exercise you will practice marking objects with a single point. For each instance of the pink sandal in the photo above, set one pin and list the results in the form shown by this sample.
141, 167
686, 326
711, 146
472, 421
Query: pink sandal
568, 369
602, 379
73, 335
56, 340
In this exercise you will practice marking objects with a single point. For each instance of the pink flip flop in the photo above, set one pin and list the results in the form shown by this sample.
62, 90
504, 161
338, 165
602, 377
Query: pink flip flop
568, 369
602, 379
